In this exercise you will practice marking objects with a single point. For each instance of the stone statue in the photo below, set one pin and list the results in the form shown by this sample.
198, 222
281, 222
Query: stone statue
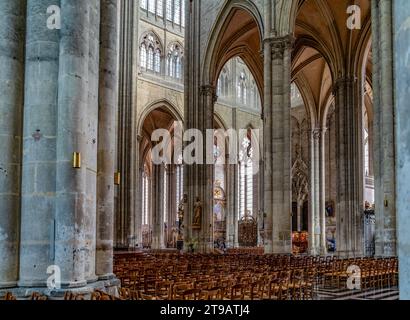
197, 214
181, 213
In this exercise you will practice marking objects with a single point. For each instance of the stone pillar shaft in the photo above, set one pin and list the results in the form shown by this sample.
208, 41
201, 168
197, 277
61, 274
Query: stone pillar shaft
158, 207
384, 153
206, 171
171, 203
277, 155
106, 139
140, 209
299, 215
322, 192
402, 71
127, 137
75, 200
316, 163
37, 247
12, 27
267, 146
348, 211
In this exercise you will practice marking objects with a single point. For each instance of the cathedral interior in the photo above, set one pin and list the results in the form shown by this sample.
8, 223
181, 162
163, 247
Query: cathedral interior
304, 191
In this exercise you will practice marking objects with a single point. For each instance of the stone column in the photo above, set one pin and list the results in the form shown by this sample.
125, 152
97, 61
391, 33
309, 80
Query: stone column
322, 191
300, 203
348, 209
314, 219
402, 92
74, 220
231, 204
108, 95
38, 205
267, 146
260, 214
172, 198
127, 138
207, 171
138, 217
384, 153
157, 198
312, 205
277, 153
199, 110
12, 32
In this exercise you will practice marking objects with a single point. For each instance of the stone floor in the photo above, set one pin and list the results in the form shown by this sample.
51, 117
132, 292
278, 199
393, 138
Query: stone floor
346, 294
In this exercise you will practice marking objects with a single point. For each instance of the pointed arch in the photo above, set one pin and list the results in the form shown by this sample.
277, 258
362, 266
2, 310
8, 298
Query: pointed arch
217, 52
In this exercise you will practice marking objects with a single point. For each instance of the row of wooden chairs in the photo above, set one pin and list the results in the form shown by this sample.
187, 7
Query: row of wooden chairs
330, 271
8, 297
295, 284
371, 273
35, 296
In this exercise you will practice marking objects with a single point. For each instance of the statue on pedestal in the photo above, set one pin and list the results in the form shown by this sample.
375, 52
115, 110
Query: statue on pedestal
196, 224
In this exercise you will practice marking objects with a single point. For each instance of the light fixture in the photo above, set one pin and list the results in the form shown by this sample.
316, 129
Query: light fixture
76, 160
117, 178
386, 203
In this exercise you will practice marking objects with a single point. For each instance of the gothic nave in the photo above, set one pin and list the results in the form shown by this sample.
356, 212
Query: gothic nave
204, 150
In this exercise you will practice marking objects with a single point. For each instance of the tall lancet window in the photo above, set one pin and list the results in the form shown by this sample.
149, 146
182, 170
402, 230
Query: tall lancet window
151, 6
150, 53
245, 178
174, 61
179, 174
242, 89
160, 8
183, 13
165, 195
169, 10
177, 11
145, 197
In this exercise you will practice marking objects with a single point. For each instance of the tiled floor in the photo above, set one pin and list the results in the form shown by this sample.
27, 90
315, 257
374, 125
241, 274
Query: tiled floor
346, 294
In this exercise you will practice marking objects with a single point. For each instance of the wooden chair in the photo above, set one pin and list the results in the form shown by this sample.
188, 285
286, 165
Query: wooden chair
257, 289
38, 297
237, 292
212, 294
8, 297
163, 289
192, 294
295, 285
178, 290
128, 294
69, 295
147, 296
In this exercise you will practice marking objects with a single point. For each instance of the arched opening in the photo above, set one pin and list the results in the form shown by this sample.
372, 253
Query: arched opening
238, 34
234, 68
324, 65
161, 183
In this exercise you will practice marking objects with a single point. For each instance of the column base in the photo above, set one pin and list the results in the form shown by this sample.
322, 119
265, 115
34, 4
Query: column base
32, 283
5, 285
110, 286
108, 276
92, 279
74, 284
282, 248
268, 247
323, 251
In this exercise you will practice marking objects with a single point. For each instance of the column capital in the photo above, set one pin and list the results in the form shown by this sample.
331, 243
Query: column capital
279, 45
209, 91
316, 133
343, 82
